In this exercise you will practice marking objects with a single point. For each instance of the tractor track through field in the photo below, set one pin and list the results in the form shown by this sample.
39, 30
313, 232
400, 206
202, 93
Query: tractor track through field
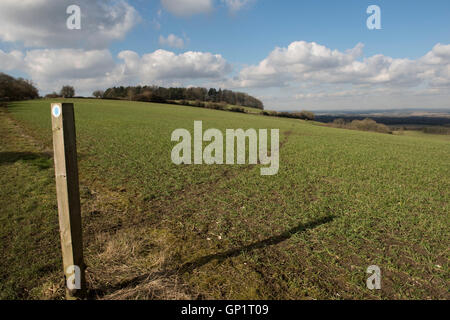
166, 204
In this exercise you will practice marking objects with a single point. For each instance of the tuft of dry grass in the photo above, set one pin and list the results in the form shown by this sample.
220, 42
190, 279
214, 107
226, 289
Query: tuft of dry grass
130, 264
158, 288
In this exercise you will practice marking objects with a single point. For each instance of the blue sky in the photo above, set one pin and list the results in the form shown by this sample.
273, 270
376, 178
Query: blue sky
327, 58
410, 28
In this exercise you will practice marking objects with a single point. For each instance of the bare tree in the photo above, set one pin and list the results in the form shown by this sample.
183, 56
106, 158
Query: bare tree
67, 92
98, 94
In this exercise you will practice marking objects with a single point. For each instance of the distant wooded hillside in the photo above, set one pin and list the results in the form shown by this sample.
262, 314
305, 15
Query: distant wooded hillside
160, 94
16, 89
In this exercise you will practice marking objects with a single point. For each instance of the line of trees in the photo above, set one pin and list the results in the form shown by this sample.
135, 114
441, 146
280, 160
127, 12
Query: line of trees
161, 95
362, 125
303, 115
436, 130
65, 92
14, 89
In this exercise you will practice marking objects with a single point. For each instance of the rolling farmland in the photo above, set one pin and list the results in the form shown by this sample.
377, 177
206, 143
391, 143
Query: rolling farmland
342, 200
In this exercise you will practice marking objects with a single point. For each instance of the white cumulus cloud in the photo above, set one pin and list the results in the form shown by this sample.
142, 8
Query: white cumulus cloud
315, 76
10, 61
48, 64
171, 41
309, 62
166, 65
50, 69
96, 69
437, 63
304, 74
42, 23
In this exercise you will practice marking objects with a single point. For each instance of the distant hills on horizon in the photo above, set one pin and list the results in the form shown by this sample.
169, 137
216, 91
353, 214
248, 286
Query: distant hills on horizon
390, 112
418, 117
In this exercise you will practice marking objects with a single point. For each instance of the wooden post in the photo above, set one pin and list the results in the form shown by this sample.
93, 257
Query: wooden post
68, 195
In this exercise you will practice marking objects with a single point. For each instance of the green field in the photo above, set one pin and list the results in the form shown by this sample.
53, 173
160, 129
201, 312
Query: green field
342, 200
